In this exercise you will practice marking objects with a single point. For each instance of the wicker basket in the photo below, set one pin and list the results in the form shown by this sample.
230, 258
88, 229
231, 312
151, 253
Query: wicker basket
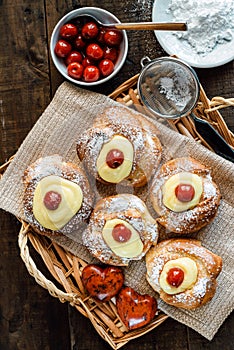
65, 268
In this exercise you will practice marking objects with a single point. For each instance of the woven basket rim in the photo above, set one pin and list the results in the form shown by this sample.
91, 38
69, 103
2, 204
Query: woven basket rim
65, 268
112, 331
205, 109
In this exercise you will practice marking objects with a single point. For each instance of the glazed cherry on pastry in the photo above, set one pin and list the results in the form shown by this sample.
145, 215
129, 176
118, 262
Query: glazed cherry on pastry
74, 56
62, 48
94, 51
175, 277
91, 73
184, 192
68, 31
113, 37
75, 70
106, 67
121, 233
114, 158
79, 42
52, 200
90, 30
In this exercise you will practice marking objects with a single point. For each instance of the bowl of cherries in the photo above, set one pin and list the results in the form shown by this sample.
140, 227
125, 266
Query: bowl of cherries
85, 51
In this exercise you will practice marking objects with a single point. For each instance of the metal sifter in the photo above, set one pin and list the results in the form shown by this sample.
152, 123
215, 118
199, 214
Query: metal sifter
170, 89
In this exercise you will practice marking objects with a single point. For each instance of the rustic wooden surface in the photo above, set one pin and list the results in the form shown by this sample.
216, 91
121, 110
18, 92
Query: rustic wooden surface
29, 317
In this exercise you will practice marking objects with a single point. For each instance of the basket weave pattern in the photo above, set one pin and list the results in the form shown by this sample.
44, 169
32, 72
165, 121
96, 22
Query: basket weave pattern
65, 268
206, 109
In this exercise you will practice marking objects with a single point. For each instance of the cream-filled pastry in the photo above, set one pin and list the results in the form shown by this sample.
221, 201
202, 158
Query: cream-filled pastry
57, 196
121, 146
184, 195
183, 272
121, 229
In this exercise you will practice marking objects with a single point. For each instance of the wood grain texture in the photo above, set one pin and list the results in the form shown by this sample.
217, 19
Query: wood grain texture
30, 318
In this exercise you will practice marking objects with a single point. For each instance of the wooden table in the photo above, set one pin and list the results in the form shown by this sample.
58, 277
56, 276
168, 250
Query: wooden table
29, 317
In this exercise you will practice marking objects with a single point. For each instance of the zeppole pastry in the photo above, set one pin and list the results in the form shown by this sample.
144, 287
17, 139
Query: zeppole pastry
120, 230
121, 145
183, 272
57, 196
184, 195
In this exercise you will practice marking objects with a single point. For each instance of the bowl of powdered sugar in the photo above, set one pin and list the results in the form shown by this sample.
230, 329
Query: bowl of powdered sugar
209, 40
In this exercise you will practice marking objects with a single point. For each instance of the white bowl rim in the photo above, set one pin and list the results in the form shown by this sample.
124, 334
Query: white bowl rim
80, 11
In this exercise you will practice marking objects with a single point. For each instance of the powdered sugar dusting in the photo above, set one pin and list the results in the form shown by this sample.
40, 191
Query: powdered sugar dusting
116, 121
53, 165
125, 207
176, 90
208, 270
194, 218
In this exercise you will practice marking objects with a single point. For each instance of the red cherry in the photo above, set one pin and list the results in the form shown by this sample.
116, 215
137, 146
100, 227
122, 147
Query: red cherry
121, 233
89, 30
74, 56
52, 200
91, 73
175, 277
100, 37
106, 67
114, 158
113, 37
110, 53
68, 31
87, 62
184, 192
94, 51
79, 42
62, 48
75, 70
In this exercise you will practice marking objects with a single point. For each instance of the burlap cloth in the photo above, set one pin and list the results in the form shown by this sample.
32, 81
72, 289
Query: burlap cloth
68, 115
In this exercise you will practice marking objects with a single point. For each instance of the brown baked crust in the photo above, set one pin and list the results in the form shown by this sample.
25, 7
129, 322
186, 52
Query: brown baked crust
126, 207
209, 266
54, 165
193, 219
140, 132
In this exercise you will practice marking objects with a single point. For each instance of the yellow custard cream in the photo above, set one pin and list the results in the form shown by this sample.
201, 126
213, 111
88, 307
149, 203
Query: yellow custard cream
71, 200
129, 249
115, 175
169, 198
189, 268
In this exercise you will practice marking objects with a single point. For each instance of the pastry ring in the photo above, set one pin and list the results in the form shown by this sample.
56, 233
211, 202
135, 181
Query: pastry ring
57, 197
184, 195
120, 230
183, 272
121, 146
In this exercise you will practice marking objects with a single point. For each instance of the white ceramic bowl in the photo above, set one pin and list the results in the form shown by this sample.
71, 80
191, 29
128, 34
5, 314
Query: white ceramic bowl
105, 17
